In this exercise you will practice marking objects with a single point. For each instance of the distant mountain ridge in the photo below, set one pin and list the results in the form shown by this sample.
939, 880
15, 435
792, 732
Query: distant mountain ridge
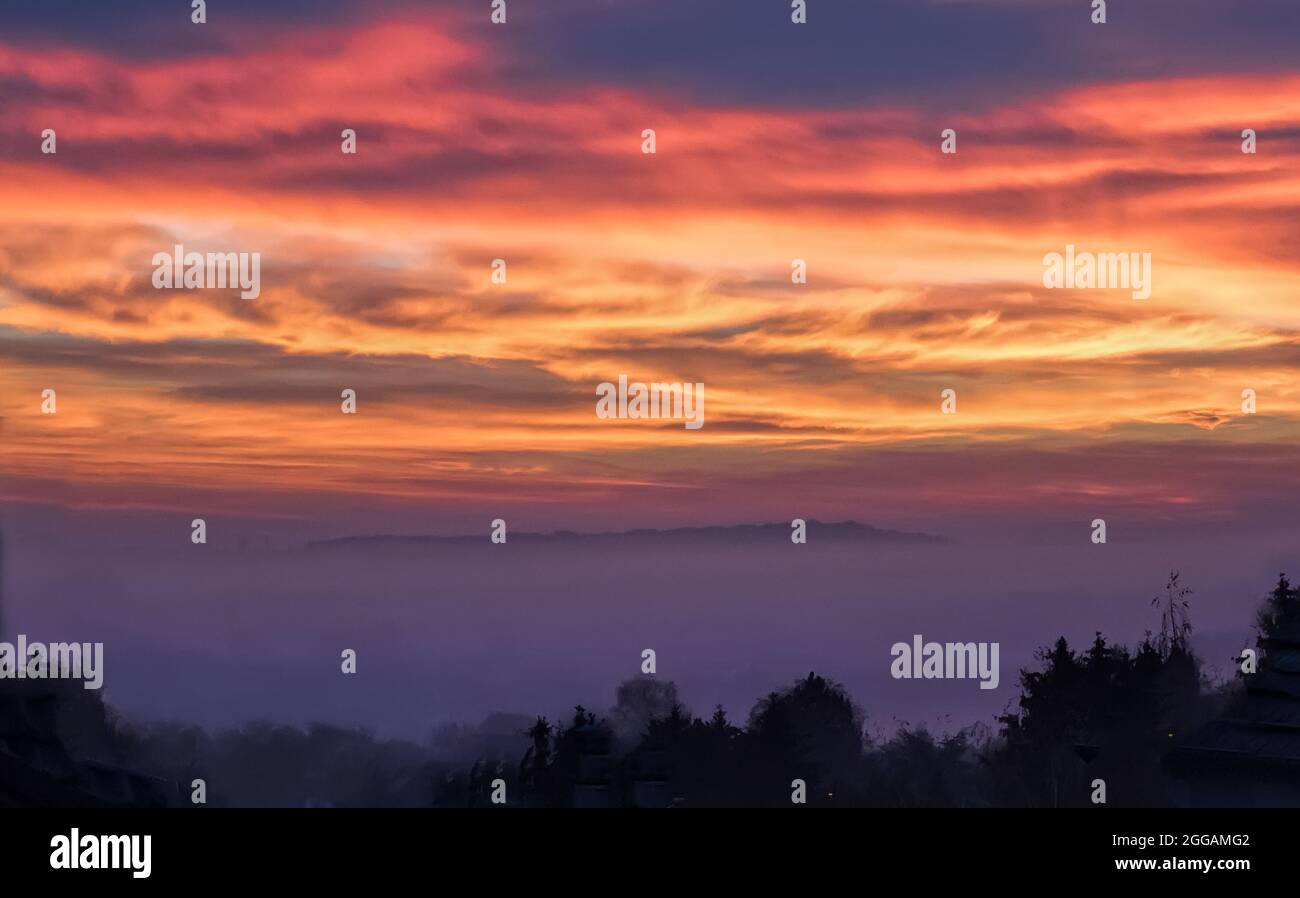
738, 534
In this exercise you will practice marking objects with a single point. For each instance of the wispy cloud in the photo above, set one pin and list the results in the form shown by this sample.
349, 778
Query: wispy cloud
924, 274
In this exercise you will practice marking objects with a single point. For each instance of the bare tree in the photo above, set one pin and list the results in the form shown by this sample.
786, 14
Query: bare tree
1175, 617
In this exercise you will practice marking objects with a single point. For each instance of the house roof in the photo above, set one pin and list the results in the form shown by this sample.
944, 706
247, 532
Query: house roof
1261, 728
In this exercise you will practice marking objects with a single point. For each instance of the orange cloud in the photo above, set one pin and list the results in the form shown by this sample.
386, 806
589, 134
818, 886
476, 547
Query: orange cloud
924, 272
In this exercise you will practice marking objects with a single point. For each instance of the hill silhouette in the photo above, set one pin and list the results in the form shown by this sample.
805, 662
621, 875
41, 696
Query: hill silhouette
739, 534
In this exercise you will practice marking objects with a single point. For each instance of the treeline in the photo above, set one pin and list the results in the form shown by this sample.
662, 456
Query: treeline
1104, 711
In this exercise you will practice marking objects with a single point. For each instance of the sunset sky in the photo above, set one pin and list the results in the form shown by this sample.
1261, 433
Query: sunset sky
775, 142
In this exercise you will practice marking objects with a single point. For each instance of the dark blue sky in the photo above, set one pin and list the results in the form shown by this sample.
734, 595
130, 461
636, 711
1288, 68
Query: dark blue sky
958, 52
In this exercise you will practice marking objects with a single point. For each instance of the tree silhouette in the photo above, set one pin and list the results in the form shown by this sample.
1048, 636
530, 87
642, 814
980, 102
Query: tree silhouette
535, 767
811, 731
639, 701
1106, 713
1279, 618
1175, 617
